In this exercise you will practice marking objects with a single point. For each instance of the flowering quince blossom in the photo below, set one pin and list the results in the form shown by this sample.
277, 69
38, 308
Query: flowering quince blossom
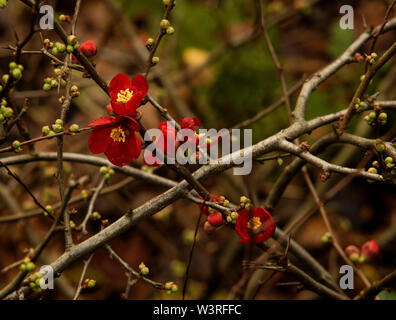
169, 134
126, 94
258, 223
116, 138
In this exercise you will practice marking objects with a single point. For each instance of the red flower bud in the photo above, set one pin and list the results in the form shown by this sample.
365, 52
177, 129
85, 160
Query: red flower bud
370, 250
88, 48
215, 219
208, 228
352, 252
109, 109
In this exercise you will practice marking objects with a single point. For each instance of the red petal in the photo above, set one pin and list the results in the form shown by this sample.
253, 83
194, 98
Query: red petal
140, 85
121, 153
102, 121
120, 82
190, 123
100, 139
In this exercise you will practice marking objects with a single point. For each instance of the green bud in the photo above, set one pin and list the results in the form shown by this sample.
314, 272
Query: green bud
74, 127
55, 51
280, 162
74, 88
372, 115
16, 74
326, 238
69, 48
388, 160
60, 46
54, 83
59, 121
3, 3
13, 65
91, 283
57, 71
174, 288
22, 267
372, 170
8, 112
1, 88
144, 271
45, 130
166, 2
16, 144
49, 208
84, 194
170, 30
164, 24
380, 147
72, 39
5, 78
57, 128
103, 170
390, 165
149, 42
72, 224
168, 285
155, 60
21, 67
375, 164
30, 266
382, 116
26, 260
96, 215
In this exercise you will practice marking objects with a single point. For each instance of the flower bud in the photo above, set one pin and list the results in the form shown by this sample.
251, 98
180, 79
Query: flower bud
91, 283
5, 78
88, 48
16, 73
170, 30
54, 83
215, 219
30, 266
164, 24
168, 285
47, 87
45, 130
388, 160
149, 42
145, 271
372, 170
8, 112
174, 288
74, 127
155, 60
96, 216
3, 3
370, 250
72, 39
326, 238
208, 228
57, 128
352, 252
166, 2
12, 65
74, 88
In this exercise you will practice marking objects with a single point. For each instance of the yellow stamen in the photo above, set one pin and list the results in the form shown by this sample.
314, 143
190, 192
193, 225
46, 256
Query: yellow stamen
118, 134
254, 223
124, 96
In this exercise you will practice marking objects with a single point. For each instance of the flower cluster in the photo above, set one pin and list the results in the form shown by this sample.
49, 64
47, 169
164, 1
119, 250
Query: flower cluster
116, 135
368, 252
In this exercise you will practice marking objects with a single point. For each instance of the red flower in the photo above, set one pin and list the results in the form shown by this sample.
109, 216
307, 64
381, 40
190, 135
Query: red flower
126, 94
258, 223
116, 138
88, 48
370, 250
